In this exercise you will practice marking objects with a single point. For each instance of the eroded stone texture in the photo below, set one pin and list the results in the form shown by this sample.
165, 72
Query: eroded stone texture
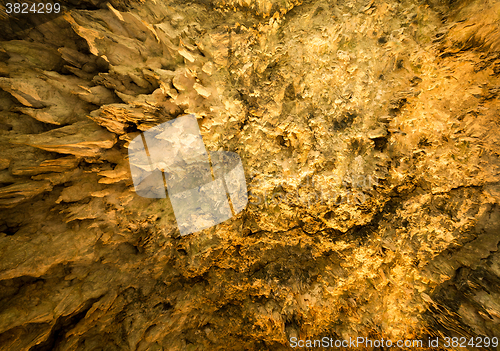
369, 135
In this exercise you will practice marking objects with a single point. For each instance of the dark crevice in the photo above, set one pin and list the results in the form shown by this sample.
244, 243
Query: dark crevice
62, 326
9, 230
380, 143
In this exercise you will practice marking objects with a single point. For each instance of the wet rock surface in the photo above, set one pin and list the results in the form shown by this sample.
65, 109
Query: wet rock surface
369, 136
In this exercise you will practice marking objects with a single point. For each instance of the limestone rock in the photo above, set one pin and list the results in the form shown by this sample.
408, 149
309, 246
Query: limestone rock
369, 136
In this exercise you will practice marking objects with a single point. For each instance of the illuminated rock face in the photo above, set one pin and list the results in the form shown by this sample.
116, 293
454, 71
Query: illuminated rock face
369, 136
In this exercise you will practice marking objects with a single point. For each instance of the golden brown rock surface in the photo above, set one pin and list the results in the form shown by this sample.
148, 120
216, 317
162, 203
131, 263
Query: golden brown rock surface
369, 133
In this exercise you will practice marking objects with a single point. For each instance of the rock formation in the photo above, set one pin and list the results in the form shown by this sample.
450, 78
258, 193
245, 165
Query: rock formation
369, 134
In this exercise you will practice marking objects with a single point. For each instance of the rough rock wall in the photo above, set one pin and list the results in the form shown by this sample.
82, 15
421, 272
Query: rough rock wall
369, 134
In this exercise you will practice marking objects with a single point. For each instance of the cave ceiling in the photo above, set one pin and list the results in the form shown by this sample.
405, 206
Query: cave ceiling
369, 135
